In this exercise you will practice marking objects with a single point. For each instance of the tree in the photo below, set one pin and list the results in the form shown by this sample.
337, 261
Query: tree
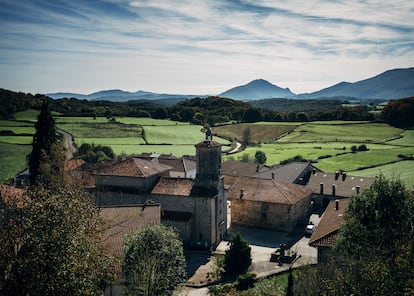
375, 246
260, 157
52, 240
43, 140
238, 257
154, 261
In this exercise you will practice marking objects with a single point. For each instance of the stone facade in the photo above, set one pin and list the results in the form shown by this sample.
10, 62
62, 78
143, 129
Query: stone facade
269, 204
267, 215
201, 201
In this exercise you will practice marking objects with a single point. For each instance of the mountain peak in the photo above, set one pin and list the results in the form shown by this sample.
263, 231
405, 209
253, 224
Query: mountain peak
257, 89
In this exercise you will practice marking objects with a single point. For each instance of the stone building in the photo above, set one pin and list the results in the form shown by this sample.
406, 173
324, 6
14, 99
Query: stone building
196, 207
269, 204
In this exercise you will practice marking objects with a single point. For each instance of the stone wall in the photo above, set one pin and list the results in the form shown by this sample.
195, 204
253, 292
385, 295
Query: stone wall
273, 216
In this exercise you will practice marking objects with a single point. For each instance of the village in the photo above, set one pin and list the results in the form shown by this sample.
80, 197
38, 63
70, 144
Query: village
206, 200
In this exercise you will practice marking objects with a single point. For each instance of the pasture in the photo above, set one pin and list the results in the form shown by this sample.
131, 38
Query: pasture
253, 133
326, 144
402, 169
12, 159
346, 132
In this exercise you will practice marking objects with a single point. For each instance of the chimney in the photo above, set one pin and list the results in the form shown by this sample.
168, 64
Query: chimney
273, 175
336, 205
336, 175
333, 189
321, 188
241, 193
358, 188
343, 176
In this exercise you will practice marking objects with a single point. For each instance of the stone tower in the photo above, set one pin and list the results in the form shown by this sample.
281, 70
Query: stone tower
208, 167
208, 193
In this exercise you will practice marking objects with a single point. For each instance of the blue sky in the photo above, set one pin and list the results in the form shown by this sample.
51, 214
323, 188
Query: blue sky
199, 47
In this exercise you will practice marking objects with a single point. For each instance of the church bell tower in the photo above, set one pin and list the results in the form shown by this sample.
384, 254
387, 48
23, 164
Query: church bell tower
208, 166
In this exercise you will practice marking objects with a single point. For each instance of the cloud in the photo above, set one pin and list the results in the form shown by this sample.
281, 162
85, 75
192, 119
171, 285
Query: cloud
182, 46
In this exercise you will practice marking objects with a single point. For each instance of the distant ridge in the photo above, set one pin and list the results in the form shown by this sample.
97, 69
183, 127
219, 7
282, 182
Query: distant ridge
117, 95
392, 84
257, 89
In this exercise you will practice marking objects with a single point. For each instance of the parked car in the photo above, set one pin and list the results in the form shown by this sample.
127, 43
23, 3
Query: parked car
309, 229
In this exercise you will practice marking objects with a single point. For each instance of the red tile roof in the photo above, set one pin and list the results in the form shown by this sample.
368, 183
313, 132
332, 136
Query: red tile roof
326, 232
134, 167
173, 186
264, 190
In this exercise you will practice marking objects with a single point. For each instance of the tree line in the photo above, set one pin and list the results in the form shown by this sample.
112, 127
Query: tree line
216, 110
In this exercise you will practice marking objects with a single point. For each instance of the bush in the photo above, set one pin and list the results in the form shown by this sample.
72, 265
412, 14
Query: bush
245, 281
238, 257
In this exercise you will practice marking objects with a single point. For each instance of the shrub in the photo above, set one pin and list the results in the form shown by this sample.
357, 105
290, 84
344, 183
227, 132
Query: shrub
245, 281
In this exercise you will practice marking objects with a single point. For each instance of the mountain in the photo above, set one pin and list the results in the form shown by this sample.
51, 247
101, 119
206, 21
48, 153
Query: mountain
392, 84
257, 89
117, 95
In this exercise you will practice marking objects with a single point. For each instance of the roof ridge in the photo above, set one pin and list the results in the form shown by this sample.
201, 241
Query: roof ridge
276, 183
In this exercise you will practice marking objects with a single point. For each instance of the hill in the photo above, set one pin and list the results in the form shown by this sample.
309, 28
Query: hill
257, 89
392, 84
117, 95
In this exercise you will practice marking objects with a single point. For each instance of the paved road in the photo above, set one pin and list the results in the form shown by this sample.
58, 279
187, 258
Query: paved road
68, 143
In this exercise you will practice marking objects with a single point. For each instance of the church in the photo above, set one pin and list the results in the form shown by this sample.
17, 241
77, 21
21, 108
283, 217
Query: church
196, 207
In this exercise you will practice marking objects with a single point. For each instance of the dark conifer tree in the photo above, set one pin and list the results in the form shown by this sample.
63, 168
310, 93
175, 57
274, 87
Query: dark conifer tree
43, 141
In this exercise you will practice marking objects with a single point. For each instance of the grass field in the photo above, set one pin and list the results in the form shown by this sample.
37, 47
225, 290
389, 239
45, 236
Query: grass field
407, 139
402, 169
353, 132
328, 144
356, 161
257, 133
13, 160
101, 129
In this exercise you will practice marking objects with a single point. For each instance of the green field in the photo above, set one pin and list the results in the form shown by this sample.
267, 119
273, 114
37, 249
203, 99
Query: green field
347, 132
253, 133
359, 160
402, 169
407, 139
326, 144
12, 159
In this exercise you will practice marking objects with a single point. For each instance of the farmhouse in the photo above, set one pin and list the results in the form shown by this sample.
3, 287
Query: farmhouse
197, 207
269, 204
325, 234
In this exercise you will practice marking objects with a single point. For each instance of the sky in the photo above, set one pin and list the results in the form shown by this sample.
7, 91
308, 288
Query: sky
199, 46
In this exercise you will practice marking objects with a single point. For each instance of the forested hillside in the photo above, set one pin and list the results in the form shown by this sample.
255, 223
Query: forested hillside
216, 110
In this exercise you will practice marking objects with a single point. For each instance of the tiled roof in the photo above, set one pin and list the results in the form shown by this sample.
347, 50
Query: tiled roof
326, 232
343, 188
173, 186
286, 173
134, 167
240, 168
122, 220
264, 190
